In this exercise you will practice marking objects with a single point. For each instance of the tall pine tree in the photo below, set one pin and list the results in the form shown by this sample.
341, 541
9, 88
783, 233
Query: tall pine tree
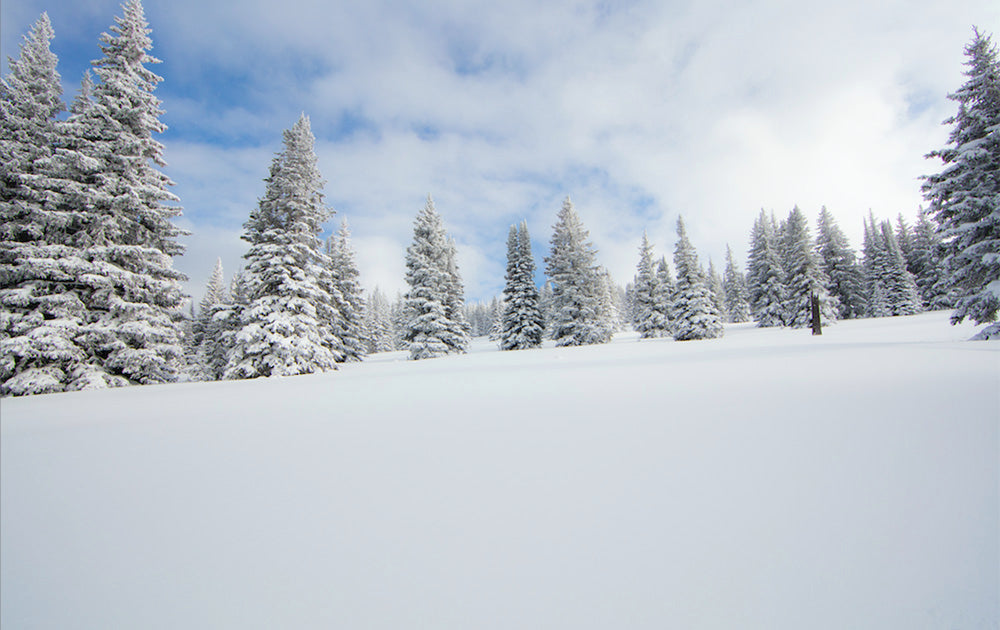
735, 290
838, 262
804, 276
965, 196
695, 313
649, 310
287, 325
522, 325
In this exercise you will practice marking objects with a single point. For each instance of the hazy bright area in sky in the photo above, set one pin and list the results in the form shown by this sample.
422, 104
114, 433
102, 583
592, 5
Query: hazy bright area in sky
639, 110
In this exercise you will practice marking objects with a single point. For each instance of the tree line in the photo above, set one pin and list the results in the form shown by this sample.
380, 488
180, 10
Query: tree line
89, 297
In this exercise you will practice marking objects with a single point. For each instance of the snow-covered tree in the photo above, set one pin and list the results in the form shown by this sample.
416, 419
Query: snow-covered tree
435, 323
804, 276
838, 262
695, 314
898, 281
286, 326
666, 286
521, 324
765, 274
208, 328
575, 309
347, 295
964, 197
927, 263
735, 290
608, 306
718, 291
649, 310
378, 323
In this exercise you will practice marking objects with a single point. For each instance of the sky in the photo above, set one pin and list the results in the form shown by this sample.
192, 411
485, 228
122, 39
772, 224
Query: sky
639, 111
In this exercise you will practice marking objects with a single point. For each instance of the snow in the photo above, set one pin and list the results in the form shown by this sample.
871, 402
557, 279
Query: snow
768, 479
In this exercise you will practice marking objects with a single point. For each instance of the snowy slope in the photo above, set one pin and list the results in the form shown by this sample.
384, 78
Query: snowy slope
765, 480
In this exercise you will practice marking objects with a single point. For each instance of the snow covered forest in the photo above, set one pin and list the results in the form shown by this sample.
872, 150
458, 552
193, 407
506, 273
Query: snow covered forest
90, 298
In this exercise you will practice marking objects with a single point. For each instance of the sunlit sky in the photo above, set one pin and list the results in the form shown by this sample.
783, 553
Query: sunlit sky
639, 111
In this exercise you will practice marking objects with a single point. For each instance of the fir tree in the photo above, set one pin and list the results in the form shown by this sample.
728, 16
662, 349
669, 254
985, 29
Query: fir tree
378, 323
696, 316
521, 323
286, 325
735, 290
575, 309
666, 286
347, 294
209, 324
838, 262
714, 281
766, 275
649, 316
899, 283
928, 265
804, 275
433, 301
964, 197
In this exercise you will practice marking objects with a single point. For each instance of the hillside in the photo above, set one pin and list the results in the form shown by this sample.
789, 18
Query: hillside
768, 479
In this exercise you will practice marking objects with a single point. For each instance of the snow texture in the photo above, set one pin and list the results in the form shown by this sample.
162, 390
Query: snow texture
769, 479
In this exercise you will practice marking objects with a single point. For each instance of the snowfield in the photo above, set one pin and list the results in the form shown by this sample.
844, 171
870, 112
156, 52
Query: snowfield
766, 480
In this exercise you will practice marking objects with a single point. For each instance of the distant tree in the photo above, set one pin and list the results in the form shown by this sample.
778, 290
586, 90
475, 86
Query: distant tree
965, 196
575, 309
928, 265
804, 275
735, 290
765, 274
899, 282
666, 286
695, 314
838, 262
346, 295
435, 323
378, 323
714, 281
286, 325
521, 322
649, 315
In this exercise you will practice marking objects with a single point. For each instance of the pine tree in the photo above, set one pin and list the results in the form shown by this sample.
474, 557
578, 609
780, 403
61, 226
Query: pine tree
735, 290
696, 316
765, 275
804, 275
666, 287
286, 327
575, 315
433, 301
899, 283
714, 281
208, 327
874, 270
838, 262
964, 197
928, 265
378, 323
521, 324
347, 294
649, 316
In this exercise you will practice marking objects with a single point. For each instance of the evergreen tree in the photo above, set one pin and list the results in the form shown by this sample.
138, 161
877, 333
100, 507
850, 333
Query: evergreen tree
766, 275
575, 315
735, 290
521, 325
928, 265
804, 275
718, 292
666, 286
608, 307
347, 294
378, 323
286, 325
433, 301
838, 262
874, 270
965, 196
649, 316
695, 314
899, 283
209, 327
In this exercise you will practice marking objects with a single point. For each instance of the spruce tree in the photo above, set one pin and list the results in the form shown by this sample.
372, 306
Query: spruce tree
346, 294
899, 283
695, 314
714, 281
735, 290
649, 316
766, 275
804, 276
435, 325
575, 308
378, 323
928, 265
521, 323
209, 325
838, 262
666, 287
287, 324
964, 197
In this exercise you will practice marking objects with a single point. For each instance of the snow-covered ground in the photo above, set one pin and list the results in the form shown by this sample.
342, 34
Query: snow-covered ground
767, 480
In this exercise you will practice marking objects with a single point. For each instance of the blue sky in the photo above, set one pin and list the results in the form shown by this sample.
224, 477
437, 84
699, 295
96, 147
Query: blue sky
639, 110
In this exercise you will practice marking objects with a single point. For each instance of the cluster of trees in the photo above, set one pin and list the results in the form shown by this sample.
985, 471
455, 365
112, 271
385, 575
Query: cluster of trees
89, 298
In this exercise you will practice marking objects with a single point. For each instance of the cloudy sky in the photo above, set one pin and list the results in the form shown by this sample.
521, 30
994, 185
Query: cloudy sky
640, 111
